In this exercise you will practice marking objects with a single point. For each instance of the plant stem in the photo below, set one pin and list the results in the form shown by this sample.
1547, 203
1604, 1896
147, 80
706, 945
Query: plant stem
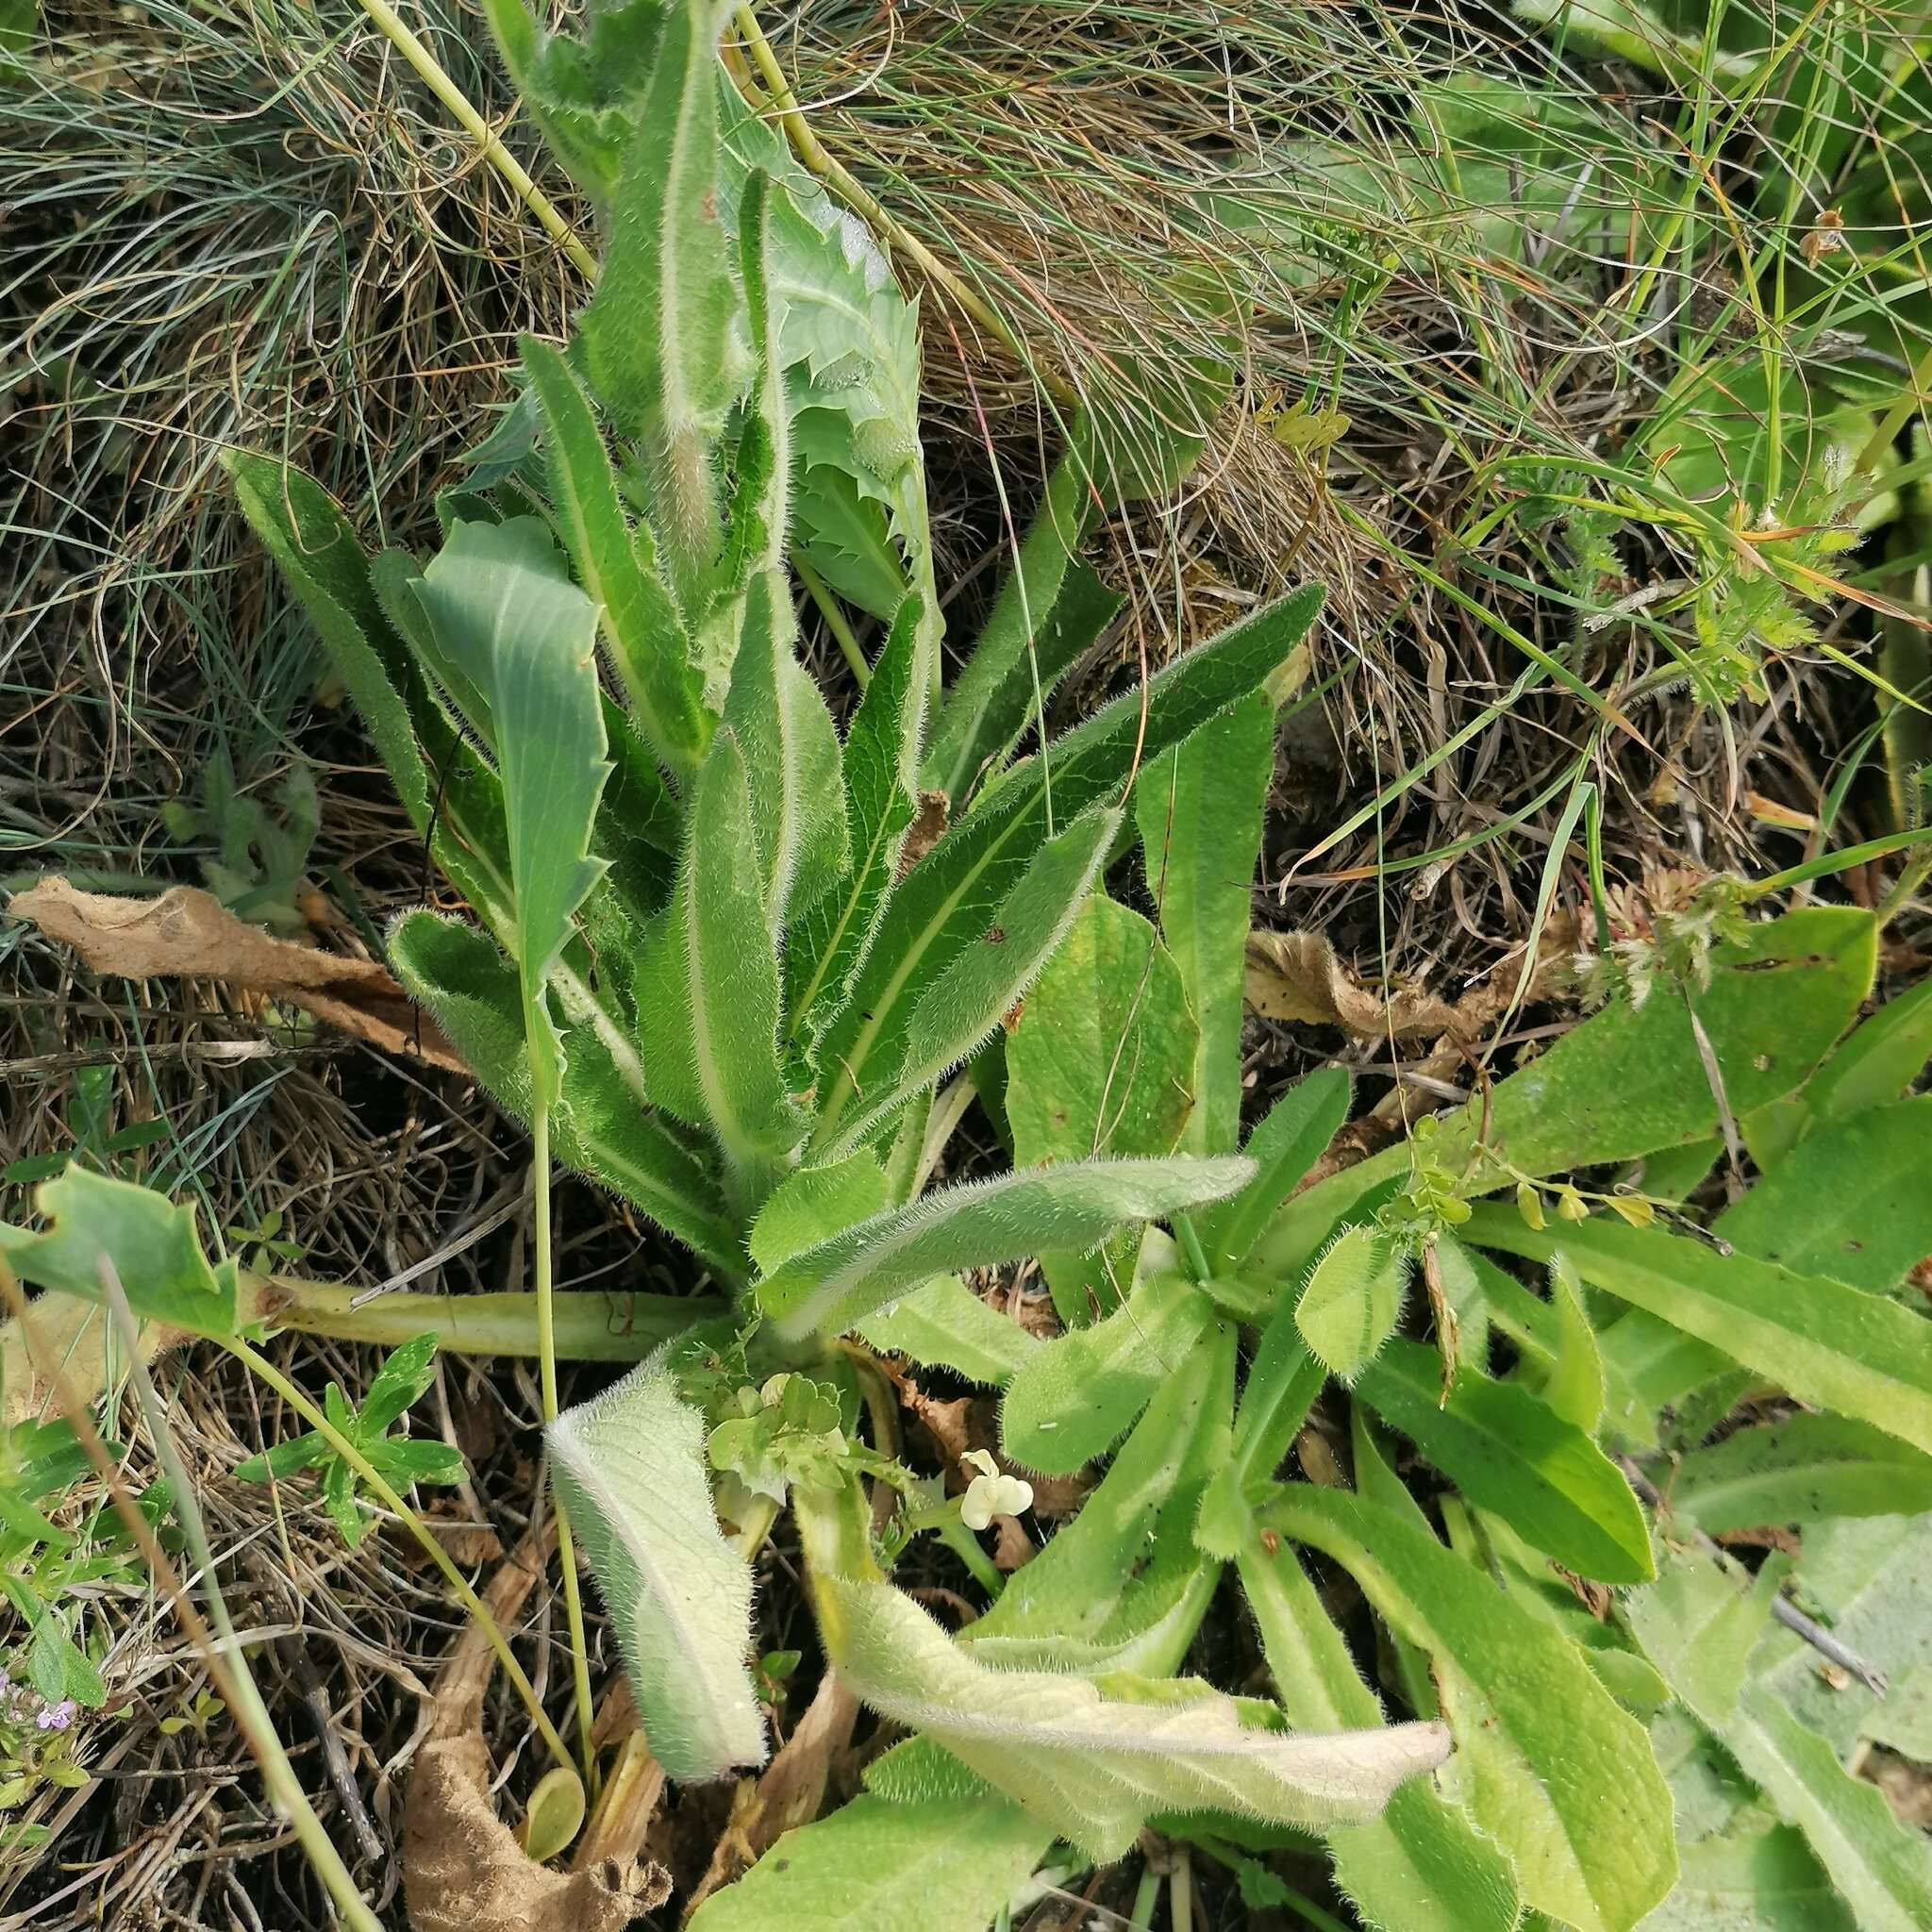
226, 1662
1191, 1251
835, 620
452, 96
812, 154
586, 1326
546, 1367
311, 1413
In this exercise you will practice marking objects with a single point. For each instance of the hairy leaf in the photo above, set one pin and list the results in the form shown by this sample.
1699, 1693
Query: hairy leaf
1096, 1760
948, 901
1100, 1060
1822, 1342
648, 643
662, 337
971, 731
1631, 1080
981, 984
1513, 1454
1874, 1065
708, 979
1883, 1870
1081, 611
630, 1466
1852, 1200
1199, 812
506, 615
1079, 1394
790, 749
1799, 1470
1121, 1586
825, 946
960, 1858
944, 1326
1353, 1299
598, 1129
840, 1281
1283, 1146
1283, 1382
1539, 1740
1421, 1863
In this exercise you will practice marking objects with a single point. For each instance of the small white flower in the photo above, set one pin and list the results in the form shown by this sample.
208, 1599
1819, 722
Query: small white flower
990, 1494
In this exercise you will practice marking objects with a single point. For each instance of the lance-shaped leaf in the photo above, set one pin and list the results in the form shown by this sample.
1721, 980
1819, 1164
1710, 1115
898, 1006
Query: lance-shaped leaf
1095, 1760
630, 1466
505, 612
852, 1871
1875, 1064
971, 730
850, 342
1284, 1146
598, 1128
1100, 1060
663, 336
981, 983
832, 1286
708, 979
948, 901
1079, 1394
1421, 1863
1631, 1080
1121, 1587
1199, 812
1825, 1343
1799, 1470
1853, 1200
1081, 612
787, 738
315, 549
762, 520
1539, 1742
1700, 1634
943, 1325
1509, 1453
648, 643
825, 944
150, 1242
453, 796
1283, 1382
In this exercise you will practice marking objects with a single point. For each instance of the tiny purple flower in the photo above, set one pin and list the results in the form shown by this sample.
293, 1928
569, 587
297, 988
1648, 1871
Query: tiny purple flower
57, 1717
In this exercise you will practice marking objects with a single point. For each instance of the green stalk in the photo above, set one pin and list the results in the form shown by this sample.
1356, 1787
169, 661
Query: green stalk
546, 1359
586, 1325
378, 1485
452, 96
843, 634
227, 1661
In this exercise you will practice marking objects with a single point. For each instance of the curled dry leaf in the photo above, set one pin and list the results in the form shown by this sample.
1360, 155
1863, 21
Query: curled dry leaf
788, 1792
188, 934
462, 1868
1296, 976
